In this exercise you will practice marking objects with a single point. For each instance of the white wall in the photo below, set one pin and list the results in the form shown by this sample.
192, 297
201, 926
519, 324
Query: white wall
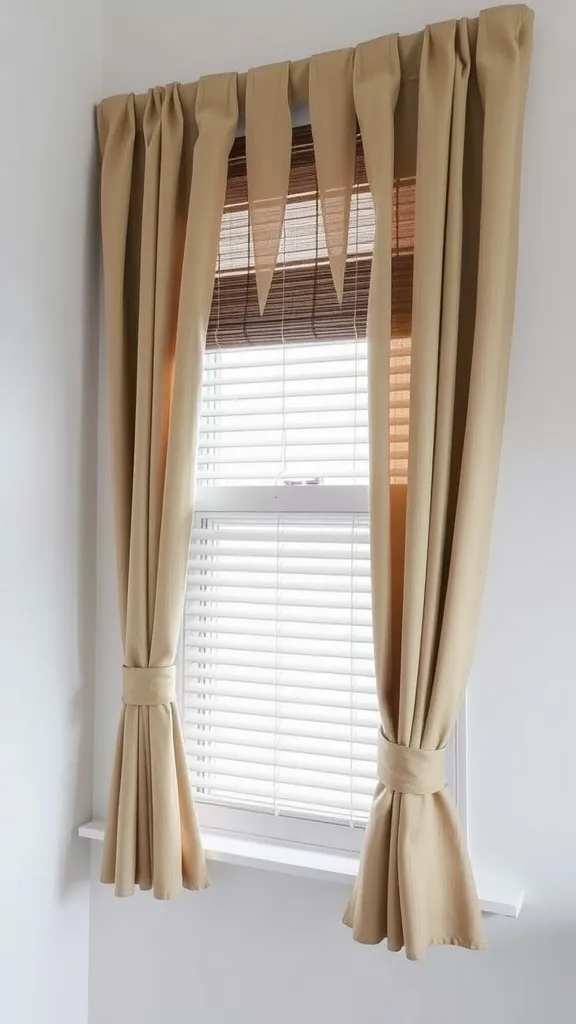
50, 75
258, 948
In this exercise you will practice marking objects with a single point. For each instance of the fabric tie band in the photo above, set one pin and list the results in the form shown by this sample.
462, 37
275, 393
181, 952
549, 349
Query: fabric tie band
406, 770
149, 686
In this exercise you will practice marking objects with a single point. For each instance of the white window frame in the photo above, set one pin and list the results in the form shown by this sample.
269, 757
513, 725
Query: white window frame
296, 830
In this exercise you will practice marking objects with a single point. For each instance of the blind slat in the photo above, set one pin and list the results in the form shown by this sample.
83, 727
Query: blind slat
252, 662
262, 748
287, 618
339, 423
286, 795
280, 662
279, 564
318, 457
246, 359
362, 601
280, 716
241, 443
359, 587
283, 535
205, 639
295, 710
300, 728
242, 628
240, 769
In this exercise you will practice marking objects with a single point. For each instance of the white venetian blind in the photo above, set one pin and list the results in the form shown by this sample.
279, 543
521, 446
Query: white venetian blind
297, 413
280, 711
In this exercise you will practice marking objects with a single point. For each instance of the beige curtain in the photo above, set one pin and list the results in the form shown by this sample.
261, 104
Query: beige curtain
445, 105
164, 168
415, 885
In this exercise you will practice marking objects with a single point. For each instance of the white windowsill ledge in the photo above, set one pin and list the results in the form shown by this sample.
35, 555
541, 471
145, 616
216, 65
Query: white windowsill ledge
305, 861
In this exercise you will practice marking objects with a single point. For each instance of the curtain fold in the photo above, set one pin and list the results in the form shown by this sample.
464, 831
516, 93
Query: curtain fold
415, 885
333, 121
162, 200
268, 152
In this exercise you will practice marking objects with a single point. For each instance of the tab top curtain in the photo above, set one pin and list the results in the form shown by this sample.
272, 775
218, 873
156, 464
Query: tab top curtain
445, 106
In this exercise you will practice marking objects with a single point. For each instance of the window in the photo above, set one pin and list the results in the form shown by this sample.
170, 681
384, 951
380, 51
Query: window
279, 701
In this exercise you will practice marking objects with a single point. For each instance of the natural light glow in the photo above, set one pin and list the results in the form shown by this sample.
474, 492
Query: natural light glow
280, 703
292, 414
280, 708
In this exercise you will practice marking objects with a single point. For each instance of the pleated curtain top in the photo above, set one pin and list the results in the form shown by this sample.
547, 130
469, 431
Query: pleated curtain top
328, 84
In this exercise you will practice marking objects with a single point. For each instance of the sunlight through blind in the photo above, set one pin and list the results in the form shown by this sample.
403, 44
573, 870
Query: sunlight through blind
297, 414
280, 706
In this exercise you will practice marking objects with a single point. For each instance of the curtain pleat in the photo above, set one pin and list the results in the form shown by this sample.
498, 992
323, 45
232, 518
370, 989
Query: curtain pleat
333, 121
440, 421
216, 114
377, 76
415, 885
268, 152
156, 332
117, 131
376, 85
436, 87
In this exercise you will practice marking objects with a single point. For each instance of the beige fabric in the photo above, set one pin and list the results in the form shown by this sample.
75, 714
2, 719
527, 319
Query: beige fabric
408, 769
415, 885
447, 105
143, 686
268, 152
164, 167
333, 121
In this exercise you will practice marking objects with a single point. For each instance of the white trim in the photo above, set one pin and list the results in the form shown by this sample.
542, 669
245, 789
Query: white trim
306, 861
293, 829
304, 498
322, 834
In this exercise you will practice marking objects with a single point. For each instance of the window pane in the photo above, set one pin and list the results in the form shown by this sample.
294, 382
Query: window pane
280, 709
291, 415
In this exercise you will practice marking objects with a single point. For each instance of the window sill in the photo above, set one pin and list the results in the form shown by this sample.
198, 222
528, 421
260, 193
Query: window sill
307, 862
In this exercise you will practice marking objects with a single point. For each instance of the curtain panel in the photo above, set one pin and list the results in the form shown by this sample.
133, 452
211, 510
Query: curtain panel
415, 885
164, 173
443, 107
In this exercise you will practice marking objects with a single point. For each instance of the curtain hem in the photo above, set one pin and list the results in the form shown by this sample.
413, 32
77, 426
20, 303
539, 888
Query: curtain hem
152, 840
413, 899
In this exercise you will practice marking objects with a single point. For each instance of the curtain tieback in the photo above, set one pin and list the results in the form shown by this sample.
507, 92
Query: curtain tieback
407, 770
146, 686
